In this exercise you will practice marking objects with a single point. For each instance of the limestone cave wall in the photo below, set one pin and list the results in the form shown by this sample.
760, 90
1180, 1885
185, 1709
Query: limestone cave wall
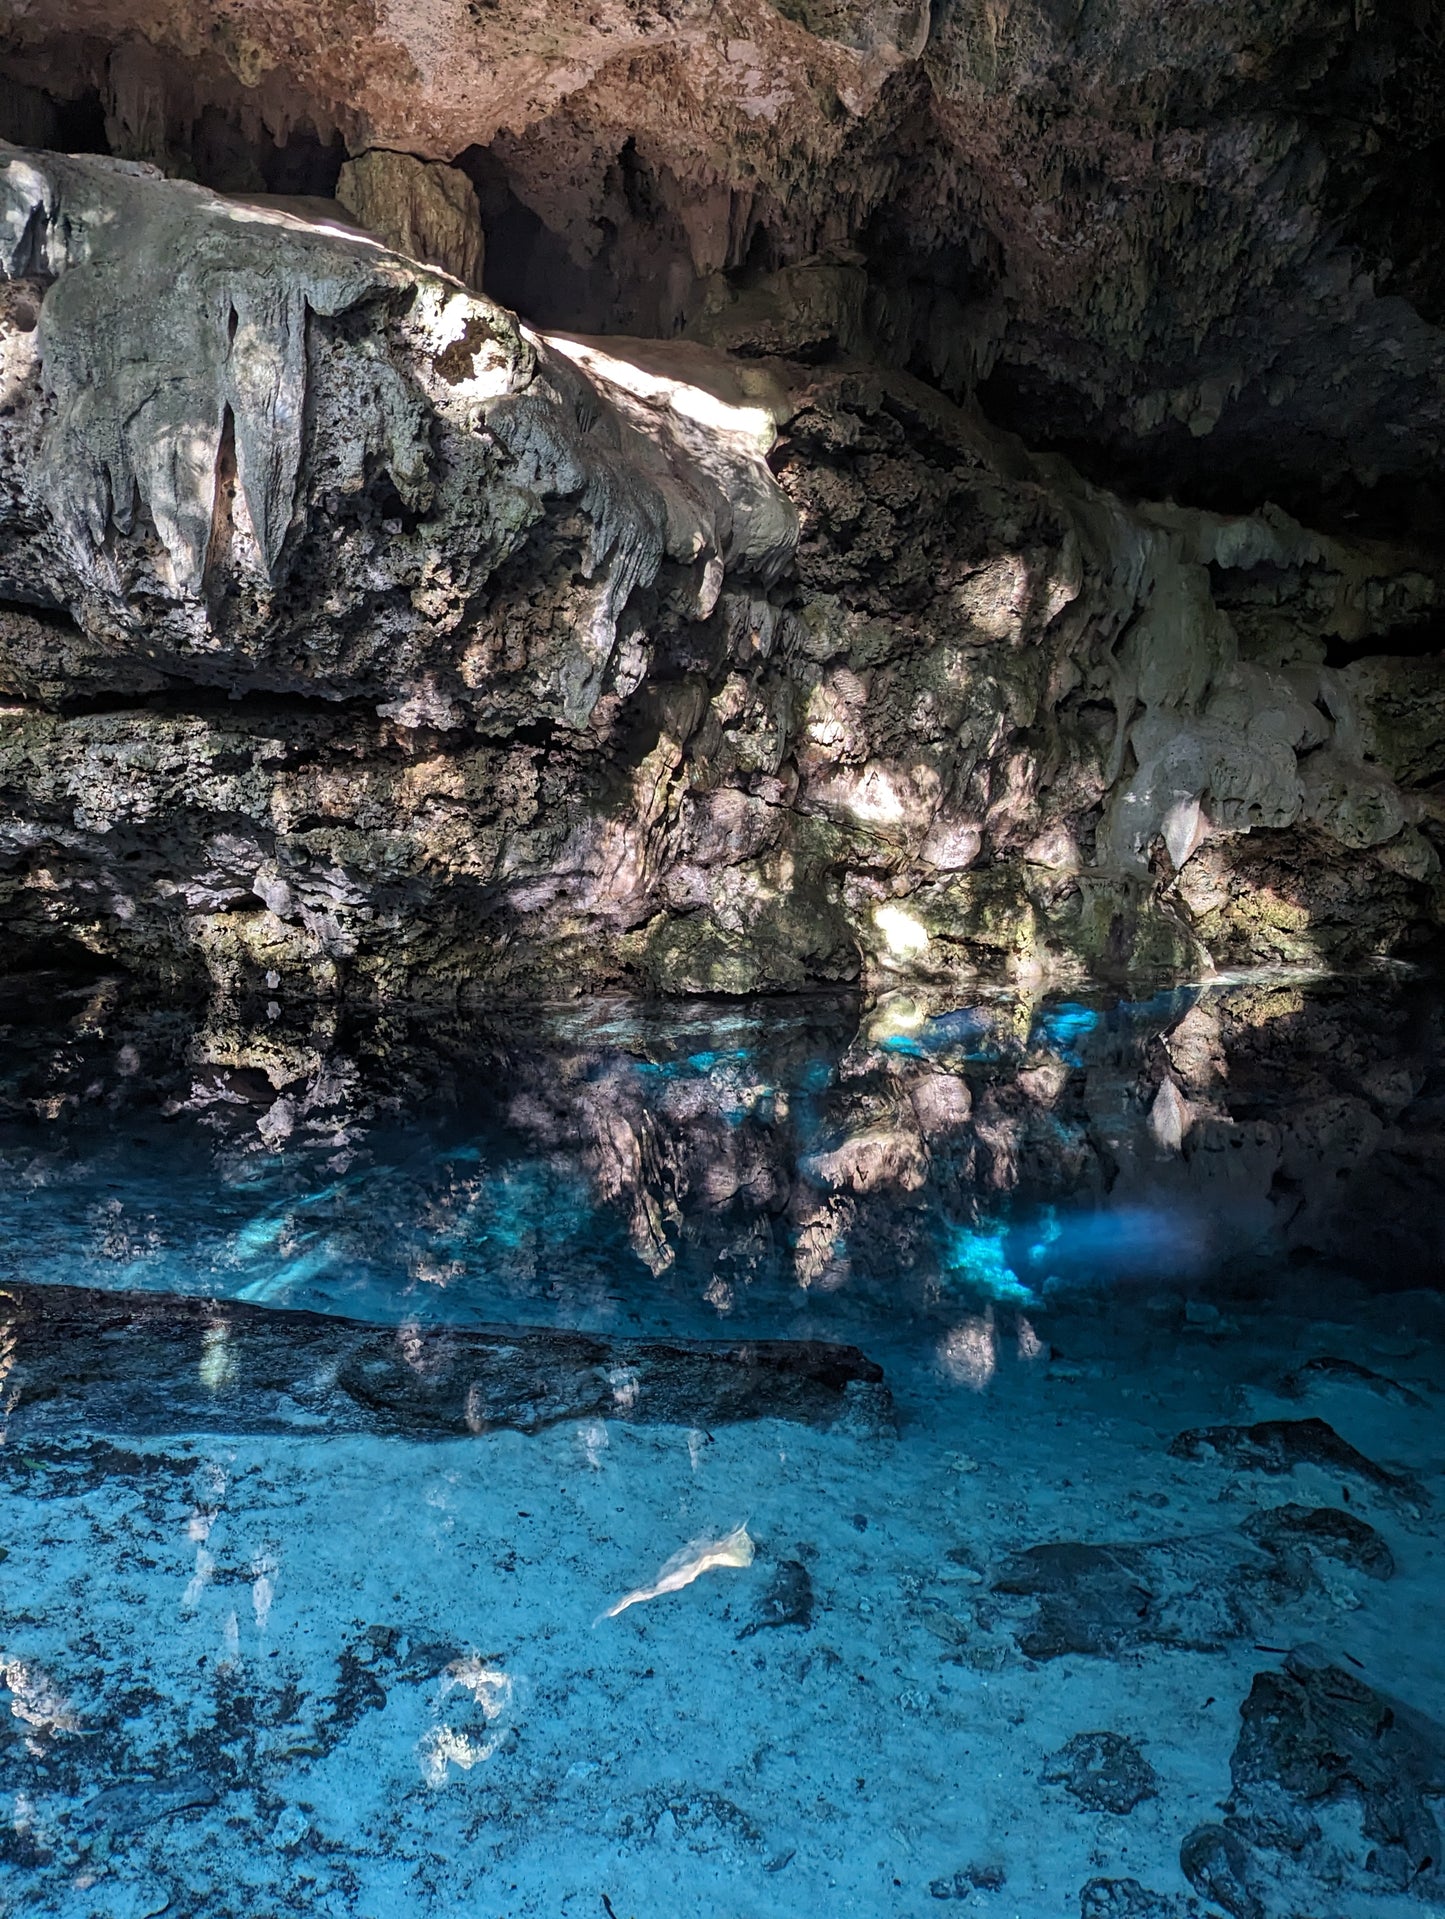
500, 500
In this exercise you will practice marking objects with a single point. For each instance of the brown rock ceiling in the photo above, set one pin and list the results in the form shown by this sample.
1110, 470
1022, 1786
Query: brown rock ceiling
1199, 248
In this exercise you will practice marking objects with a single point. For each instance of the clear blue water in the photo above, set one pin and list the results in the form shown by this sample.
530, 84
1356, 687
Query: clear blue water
1067, 1231
620, 1165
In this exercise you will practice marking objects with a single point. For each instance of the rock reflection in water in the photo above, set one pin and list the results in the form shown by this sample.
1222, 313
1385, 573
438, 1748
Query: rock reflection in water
1104, 1598
725, 1164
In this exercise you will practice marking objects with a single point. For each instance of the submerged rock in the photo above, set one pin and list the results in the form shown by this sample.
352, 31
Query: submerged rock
1321, 1529
1090, 1599
968, 1879
1216, 1863
787, 1600
1316, 1732
1328, 1370
1104, 1771
1188, 1593
144, 1363
686, 1815
1127, 1899
1282, 1445
128, 1808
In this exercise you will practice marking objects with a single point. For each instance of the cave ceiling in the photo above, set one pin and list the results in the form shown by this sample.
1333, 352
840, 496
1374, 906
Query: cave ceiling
1198, 248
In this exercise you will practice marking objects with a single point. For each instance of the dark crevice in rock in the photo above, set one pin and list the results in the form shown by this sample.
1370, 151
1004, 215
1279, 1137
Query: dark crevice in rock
45, 611
33, 116
210, 139
1419, 640
182, 699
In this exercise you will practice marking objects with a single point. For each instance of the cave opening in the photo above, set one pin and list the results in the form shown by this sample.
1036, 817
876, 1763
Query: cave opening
722, 1063
530, 267
1418, 639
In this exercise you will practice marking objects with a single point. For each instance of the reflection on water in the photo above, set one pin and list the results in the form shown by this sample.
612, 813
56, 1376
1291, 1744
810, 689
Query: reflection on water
807, 1165
1105, 1600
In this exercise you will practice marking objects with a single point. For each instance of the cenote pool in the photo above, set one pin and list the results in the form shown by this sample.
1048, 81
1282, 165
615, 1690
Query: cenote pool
796, 1458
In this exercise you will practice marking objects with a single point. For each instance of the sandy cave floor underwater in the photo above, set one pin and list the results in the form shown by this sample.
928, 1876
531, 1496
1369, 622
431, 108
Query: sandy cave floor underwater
370, 1675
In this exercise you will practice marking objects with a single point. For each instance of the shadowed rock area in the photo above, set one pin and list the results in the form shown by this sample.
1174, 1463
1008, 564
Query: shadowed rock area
1315, 1734
1190, 1594
1283, 1445
1199, 246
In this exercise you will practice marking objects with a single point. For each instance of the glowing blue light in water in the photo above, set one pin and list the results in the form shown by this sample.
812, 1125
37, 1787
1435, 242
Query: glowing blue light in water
705, 1062
274, 1286
1123, 1242
1049, 1233
1062, 1027
976, 1255
960, 1032
904, 1043
1020, 1261
257, 1236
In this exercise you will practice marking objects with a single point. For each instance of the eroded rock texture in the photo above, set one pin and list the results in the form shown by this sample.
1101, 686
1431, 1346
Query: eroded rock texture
1316, 1734
361, 639
1202, 243
139, 1365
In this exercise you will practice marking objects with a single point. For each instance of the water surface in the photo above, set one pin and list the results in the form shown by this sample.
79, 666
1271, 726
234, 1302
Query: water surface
371, 1673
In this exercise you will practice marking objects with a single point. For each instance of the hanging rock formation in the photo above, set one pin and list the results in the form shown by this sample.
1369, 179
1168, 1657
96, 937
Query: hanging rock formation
425, 210
1199, 244
361, 639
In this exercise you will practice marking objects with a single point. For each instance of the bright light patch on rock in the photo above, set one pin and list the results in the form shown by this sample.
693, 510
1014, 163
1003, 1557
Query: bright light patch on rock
904, 935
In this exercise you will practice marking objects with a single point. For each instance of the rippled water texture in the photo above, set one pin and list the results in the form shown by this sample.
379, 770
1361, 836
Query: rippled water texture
797, 1457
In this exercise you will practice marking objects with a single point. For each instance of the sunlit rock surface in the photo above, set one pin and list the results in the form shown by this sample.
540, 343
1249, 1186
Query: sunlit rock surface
363, 642
424, 209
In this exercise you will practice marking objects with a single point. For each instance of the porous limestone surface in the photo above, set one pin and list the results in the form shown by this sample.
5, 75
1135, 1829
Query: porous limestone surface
362, 641
1201, 243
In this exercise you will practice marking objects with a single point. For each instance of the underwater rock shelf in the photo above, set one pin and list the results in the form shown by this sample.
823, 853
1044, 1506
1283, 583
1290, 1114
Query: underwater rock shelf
1059, 1641
134, 1363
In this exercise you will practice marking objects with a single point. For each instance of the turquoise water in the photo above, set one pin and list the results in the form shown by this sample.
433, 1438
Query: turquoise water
811, 1167
251, 1666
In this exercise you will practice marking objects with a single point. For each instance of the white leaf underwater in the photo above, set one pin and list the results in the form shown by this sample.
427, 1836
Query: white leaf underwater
697, 1557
